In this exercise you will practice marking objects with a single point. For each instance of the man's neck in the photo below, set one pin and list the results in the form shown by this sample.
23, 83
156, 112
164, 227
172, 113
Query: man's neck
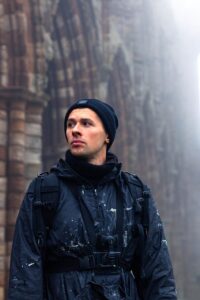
97, 161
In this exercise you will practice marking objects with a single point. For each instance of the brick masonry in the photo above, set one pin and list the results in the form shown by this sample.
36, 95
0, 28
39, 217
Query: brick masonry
54, 51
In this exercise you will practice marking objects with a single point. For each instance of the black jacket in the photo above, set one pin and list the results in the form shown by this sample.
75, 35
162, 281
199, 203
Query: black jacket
28, 280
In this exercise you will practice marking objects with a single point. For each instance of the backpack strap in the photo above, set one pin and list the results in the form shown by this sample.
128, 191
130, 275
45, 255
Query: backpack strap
46, 197
140, 194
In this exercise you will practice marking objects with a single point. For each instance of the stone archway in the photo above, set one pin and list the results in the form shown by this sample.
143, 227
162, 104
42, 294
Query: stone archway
72, 71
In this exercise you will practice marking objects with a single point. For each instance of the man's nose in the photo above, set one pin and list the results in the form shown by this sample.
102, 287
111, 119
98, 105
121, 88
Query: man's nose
76, 128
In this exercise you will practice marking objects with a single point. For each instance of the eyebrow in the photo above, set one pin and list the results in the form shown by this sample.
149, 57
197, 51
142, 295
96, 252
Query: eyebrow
82, 119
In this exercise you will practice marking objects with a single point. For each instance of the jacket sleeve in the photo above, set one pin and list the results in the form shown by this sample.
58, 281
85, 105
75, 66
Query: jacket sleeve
156, 274
26, 274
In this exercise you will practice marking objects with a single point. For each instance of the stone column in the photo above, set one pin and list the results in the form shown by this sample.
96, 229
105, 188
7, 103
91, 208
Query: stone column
16, 165
33, 155
20, 161
3, 186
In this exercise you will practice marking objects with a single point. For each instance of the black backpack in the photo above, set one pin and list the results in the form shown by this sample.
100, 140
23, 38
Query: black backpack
46, 199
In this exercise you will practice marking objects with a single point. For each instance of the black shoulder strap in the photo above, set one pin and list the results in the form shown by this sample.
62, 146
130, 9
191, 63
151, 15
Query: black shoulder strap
87, 218
140, 194
46, 197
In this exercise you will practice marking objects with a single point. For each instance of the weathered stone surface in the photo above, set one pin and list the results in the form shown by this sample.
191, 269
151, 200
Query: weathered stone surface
2, 168
3, 125
16, 168
37, 119
33, 157
17, 114
10, 228
2, 152
3, 139
11, 217
3, 112
34, 142
2, 249
3, 182
9, 248
17, 139
17, 125
2, 217
35, 108
2, 290
33, 129
2, 199
32, 170
15, 198
16, 183
2, 279
16, 153
2, 234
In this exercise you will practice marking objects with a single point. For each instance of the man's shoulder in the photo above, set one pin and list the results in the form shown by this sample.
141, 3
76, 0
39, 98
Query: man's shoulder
132, 178
45, 181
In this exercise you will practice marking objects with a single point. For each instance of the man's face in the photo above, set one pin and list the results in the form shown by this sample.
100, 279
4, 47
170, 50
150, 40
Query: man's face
86, 135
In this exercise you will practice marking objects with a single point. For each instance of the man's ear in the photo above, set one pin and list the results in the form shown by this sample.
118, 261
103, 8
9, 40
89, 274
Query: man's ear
66, 136
107, 140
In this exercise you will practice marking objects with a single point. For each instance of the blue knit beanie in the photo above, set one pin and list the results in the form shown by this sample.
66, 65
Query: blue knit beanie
103, 110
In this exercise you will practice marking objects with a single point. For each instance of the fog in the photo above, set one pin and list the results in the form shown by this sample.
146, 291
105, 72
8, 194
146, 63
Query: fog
187, 15
187, 18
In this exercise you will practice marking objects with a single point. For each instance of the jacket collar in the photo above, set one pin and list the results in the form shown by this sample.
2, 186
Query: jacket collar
75, 169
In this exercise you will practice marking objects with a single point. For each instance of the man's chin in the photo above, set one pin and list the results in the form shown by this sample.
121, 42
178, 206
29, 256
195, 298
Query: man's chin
78, 154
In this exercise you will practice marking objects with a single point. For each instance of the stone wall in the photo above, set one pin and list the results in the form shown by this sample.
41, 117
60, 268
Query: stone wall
20, 160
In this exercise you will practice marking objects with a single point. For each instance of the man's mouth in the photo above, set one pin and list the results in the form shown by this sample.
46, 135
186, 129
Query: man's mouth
77, 143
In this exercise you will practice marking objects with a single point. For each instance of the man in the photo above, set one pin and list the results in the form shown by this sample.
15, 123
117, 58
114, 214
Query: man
104, 239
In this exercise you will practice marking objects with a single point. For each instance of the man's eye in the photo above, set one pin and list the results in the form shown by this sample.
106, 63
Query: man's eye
70, 125
86, 123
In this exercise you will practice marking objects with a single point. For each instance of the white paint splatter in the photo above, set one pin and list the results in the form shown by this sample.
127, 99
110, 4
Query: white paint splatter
113, 210
31, 264
165, 242
128, 208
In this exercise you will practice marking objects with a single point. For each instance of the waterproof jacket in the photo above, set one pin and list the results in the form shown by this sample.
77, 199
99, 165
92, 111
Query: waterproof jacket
30, 277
